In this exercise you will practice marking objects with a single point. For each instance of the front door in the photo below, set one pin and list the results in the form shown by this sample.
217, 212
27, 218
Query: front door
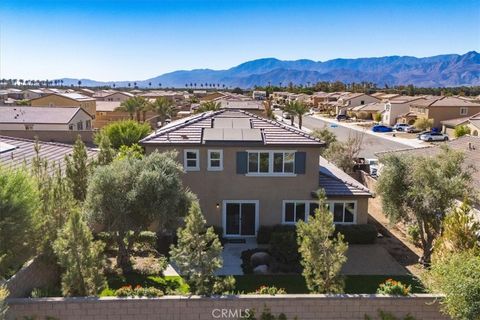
240, 218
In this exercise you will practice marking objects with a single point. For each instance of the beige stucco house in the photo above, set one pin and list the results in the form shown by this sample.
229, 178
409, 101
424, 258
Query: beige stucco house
44, 118
248, 171
350, 100
66, 100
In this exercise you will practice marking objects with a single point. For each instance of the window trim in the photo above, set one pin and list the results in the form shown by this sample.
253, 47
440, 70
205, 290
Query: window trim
270, 172
209, 167
330, 204
185, 162
463, 109
224, 217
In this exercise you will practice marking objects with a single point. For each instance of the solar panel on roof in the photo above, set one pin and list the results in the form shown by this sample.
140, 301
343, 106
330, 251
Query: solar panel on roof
238, 123
4, 147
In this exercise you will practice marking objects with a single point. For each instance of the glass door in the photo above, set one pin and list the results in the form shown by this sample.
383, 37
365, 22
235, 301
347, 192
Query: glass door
240, 218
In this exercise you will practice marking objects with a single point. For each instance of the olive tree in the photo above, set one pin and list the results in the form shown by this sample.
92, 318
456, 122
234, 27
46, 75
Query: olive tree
130, 194
421, 190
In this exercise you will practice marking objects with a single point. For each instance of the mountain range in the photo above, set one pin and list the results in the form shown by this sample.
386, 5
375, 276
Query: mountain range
437, 71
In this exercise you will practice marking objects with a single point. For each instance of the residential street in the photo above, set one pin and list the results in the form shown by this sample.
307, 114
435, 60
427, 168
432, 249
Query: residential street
371, 143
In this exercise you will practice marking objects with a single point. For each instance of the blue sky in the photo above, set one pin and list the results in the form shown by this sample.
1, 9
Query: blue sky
138, 39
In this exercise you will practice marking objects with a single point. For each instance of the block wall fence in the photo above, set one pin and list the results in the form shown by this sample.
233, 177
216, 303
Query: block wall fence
304, 307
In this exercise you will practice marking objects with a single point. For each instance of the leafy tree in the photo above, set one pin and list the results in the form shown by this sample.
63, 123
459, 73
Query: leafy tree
3, 304
125, 132
198, 254
18, 207
134, 151
377, 117
133, 106
130, 194
460, 131
325, 135
323, 255
208, 106
421, 190
423, 123
343, 154
80, 257
106, 152
460, 233
458, 278
77, 170
165, 108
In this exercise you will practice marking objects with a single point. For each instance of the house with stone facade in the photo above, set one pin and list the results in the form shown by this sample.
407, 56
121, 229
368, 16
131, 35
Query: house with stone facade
248, 171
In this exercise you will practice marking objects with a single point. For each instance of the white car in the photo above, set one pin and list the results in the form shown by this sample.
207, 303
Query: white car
434, 136
401, 127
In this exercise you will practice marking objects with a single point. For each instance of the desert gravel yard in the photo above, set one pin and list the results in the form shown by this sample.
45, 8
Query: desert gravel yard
371, 259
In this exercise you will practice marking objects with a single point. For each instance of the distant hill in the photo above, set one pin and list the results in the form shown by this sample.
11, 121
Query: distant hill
437, 71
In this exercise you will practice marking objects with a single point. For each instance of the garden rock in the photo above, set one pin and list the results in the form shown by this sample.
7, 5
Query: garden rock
259, 258
261, 269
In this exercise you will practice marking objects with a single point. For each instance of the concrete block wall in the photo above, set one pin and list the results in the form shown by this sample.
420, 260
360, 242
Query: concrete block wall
304, 307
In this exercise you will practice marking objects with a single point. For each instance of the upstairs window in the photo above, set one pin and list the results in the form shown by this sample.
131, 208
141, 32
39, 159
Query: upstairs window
215, 160
191, 160
88, 124
271, 162
79, 125
283, 162
463, 111
258, 162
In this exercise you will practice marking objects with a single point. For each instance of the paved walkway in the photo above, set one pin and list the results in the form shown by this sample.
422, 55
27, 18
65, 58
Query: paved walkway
231, 257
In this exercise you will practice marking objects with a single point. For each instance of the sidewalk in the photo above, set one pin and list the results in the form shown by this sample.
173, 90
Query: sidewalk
413, 143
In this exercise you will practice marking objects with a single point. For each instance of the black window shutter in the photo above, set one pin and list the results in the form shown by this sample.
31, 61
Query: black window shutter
300, 159
242, 162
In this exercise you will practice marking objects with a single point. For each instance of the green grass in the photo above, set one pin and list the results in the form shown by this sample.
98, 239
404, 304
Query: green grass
167, 283
296, 283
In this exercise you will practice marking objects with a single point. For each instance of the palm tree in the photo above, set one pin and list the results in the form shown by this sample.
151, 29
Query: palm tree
208, 106
290, 108
164, 108
79, 83
300, 110
133, 106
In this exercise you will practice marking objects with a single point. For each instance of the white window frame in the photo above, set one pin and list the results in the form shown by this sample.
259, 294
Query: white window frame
270, 172
330, 204
463, 111
219, 168
185, 160
284, 206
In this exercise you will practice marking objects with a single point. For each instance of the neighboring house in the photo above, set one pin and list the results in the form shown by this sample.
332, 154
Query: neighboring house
396, 107
30, 94
113, 96
473, 123
44, 118
440, 109
248, 171
86, 92
252, 106
259, 95
366, 111
351, 100
16, 152
468, 145
66, 100
107, 112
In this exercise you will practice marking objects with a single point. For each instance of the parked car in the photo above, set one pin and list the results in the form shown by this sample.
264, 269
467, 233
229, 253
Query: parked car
381, 128
341, 117
286, 115
434, 136
401, 126
412, 129
373, 167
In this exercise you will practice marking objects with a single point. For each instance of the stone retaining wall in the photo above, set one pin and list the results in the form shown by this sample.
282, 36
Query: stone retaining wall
305, 307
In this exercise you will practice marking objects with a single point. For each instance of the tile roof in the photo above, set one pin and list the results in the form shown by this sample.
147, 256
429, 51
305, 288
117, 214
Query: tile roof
24, 152
444, 102
107, 106
45, 115
469, 145
335, 182
190, 130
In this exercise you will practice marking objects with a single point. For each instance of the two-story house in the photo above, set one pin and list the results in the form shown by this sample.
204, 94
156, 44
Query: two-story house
248, 171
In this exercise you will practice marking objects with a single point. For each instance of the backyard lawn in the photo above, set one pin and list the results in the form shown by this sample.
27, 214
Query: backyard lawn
249, 283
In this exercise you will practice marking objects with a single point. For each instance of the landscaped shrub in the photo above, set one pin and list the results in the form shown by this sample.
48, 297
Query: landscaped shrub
264, 234
219, 232
357, 233
413, 233
284, 247
270, 290
151, 265
147, 238
393, 287
138, 291
108, 239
